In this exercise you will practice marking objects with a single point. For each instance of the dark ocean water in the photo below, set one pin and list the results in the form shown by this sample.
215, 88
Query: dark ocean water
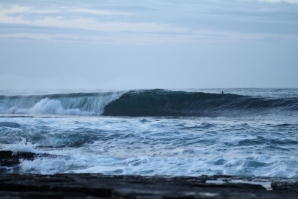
250, 132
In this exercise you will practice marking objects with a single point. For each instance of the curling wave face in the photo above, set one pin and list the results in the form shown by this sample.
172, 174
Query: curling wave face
145, 103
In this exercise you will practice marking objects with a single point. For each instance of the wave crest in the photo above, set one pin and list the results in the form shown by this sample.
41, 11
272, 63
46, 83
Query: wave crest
45, 106
58, 104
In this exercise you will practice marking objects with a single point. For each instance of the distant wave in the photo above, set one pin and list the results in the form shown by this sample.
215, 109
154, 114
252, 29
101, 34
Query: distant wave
143, 103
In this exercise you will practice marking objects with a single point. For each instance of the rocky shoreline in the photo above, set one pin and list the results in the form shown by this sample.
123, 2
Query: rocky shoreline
138, 187
130, 187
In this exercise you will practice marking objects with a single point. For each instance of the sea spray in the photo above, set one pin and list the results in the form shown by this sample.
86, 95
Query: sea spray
58, 104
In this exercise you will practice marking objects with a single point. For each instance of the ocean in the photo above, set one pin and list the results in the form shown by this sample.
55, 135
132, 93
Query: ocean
243, 132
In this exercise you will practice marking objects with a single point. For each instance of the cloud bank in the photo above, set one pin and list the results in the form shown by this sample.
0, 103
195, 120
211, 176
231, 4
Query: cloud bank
111, 44
161, 21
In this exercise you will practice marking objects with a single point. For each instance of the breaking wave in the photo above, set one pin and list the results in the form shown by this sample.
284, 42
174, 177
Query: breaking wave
144, 103
58, 104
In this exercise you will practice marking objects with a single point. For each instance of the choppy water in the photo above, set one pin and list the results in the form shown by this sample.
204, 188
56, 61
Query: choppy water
154, 132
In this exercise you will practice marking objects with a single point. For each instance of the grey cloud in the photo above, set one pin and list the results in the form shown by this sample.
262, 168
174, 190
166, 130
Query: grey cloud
161, 43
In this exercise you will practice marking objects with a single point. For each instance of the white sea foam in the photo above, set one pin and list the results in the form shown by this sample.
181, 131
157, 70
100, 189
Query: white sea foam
76, 161
44, 106
60, 104
21, 146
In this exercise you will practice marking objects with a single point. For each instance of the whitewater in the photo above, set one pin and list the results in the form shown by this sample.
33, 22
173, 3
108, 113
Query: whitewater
246, 132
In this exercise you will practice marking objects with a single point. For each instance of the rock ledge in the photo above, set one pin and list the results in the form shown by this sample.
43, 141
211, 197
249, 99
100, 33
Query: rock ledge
141, 187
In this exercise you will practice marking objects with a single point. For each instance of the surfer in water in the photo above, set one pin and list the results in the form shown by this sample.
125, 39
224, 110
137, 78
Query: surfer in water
222, 92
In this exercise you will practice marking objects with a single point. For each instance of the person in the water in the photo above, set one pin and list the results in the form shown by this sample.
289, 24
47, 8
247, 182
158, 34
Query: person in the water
222, 92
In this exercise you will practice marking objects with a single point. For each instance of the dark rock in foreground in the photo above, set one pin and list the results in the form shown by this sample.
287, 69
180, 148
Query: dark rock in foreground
103, 186
11, 159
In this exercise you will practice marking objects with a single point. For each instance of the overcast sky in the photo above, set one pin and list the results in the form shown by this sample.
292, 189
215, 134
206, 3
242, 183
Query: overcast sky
129, 44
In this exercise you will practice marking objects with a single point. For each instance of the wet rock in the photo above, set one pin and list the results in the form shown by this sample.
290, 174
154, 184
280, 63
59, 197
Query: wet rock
133, 187
9, 158
285, 185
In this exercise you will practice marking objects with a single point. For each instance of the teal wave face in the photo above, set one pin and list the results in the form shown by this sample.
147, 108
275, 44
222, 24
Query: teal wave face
179, 103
